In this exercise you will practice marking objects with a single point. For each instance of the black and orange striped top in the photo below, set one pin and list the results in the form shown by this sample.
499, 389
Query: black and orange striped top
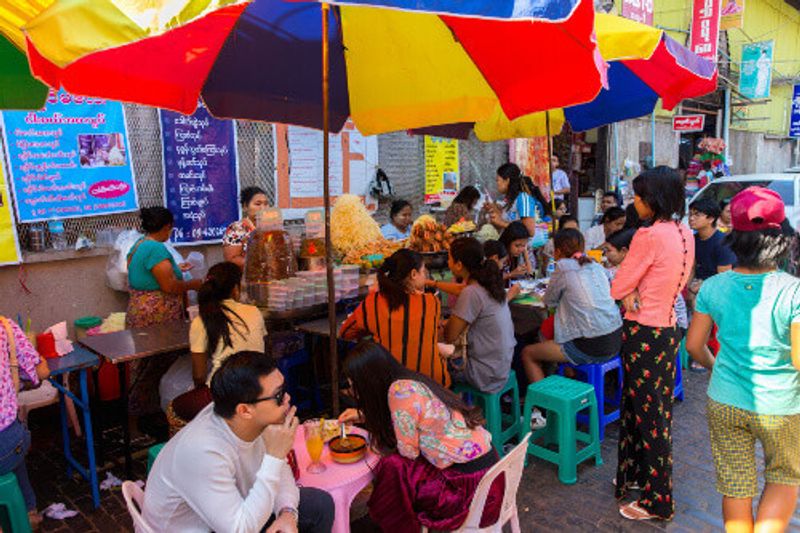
409, 333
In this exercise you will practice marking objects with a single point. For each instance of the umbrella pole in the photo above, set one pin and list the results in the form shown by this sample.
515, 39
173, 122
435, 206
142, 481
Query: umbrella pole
327, 199
550, 168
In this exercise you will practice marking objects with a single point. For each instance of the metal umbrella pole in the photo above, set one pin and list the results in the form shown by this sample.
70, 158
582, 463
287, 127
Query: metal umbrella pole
326, 192
550, 168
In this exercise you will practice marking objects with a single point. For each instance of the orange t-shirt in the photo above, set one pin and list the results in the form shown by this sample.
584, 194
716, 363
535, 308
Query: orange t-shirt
409, 333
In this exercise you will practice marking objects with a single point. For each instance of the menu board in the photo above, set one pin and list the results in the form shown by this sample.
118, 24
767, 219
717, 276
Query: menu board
441, 169
201, 185
70, 159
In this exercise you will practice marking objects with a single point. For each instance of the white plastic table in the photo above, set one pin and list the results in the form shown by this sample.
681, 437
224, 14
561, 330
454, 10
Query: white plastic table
341, 481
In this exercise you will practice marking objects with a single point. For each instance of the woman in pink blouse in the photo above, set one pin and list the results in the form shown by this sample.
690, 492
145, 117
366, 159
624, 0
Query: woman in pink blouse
435, 450
19, 361
648, 282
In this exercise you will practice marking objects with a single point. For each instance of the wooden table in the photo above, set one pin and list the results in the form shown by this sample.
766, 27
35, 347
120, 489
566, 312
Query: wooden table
320, 327
122, 347
78, 360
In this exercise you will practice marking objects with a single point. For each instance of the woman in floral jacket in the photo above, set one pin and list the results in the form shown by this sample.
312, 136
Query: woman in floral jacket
435, 450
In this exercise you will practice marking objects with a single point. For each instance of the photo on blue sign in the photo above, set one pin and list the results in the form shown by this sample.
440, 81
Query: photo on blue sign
755, 75
794, 118
201, 184
69, 159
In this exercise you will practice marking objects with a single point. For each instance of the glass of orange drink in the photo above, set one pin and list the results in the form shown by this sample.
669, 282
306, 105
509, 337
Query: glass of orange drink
314, 444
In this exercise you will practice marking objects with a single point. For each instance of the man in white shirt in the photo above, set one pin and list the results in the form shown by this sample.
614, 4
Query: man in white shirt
560, 179
226, 471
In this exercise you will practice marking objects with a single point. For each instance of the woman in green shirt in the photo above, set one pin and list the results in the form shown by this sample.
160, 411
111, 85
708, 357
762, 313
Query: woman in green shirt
157, 290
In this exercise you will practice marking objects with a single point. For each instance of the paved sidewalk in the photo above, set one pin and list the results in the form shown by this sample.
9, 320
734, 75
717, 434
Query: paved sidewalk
545, 504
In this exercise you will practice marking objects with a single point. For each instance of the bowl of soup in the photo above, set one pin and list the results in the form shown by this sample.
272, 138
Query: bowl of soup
349, 449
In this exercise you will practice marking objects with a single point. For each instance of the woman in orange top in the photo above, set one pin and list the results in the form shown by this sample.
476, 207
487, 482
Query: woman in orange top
401, 317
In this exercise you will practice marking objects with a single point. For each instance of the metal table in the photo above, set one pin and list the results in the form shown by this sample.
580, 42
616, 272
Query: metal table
122, 347
78, 360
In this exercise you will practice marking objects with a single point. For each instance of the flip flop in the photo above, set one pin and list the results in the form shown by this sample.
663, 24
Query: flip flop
633, 511
631, 486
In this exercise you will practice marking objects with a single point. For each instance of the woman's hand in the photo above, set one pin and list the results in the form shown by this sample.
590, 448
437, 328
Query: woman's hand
351, 416
520, 271
631, 302
185, 267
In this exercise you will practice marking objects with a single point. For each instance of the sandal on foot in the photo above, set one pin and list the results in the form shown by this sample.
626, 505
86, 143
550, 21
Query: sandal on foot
633, 511
630, 486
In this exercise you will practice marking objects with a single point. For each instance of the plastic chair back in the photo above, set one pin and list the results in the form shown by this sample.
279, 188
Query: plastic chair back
512, 466
134, 498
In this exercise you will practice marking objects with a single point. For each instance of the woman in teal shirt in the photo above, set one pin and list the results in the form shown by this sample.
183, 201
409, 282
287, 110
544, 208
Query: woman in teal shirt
157, 290
754, 393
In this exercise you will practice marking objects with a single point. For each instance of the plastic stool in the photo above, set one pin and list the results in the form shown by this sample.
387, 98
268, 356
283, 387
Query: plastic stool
683, 355
492, 410
11, 498
677, 394
563, 398
152, 453
311, 398
595, 374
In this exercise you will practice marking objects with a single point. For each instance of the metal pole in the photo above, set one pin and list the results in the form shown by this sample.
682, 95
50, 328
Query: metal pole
726, 128
326, 192
550, 168
653, 138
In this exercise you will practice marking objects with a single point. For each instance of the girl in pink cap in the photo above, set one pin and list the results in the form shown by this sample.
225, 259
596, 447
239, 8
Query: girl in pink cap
754, 392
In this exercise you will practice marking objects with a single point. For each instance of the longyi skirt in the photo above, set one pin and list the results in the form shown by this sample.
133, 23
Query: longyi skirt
411, 493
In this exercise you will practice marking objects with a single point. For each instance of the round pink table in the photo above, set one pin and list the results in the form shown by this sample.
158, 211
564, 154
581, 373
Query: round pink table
341, 481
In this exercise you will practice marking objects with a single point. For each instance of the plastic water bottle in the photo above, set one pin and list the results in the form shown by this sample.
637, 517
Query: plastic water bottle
551, 267
58, 238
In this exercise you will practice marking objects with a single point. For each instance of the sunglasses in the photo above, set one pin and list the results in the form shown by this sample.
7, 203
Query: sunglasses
278, 397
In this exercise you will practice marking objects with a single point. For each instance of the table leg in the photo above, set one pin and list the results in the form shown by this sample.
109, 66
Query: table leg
62, 403
126, 428
342, 500
97, 414
87, 428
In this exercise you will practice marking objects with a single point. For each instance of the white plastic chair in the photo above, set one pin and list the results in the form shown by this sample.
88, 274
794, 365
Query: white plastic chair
512, 466
134, 498
42, 396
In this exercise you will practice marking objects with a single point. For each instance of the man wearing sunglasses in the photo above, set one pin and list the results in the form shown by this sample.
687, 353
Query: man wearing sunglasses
226, 470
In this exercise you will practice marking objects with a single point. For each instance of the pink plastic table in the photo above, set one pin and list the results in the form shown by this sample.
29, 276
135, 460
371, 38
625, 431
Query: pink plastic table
341, 481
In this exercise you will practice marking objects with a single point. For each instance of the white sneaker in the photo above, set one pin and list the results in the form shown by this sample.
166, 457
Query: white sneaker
538, 420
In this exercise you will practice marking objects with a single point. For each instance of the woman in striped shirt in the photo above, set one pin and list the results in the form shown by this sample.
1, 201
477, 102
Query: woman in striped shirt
401, 317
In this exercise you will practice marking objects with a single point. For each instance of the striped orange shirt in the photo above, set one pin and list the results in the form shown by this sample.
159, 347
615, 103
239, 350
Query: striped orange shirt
409, 333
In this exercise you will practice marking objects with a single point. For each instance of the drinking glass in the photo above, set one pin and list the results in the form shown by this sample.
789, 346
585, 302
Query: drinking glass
314, 444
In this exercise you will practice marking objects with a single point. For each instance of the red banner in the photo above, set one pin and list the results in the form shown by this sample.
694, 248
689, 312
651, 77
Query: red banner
688, 122
638, 10
705, 28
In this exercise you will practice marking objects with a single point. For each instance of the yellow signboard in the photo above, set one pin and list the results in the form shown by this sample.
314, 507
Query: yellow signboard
441, 169
9, 247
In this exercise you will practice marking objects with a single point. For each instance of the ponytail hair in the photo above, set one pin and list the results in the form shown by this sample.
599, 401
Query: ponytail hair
517, 183
393, 275
469, 252
570, 243
219, 284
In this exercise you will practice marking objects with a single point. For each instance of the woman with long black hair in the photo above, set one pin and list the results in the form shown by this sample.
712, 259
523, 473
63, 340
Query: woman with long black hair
402, 317
523, 200
482, 312
435, 450
223, 328
649, 281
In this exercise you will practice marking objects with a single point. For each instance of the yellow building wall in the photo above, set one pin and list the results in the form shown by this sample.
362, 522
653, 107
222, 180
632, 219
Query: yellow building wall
763, 20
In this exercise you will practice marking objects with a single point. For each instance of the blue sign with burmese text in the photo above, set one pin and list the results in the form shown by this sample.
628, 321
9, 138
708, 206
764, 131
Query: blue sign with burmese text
70, 159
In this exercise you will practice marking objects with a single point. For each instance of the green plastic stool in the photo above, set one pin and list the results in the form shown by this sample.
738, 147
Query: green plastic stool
563, 398
152, 453
495, 419
11, 498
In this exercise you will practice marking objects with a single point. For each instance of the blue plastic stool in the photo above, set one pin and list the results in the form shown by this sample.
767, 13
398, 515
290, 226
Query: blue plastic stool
595, 374
677, 394
683, 355
305, 398
11, 498
152, 453
492, 410
562, 398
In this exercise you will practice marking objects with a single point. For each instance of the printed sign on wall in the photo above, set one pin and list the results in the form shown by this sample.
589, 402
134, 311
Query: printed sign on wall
638, 10
686, 123
9, 245
794, 118
705, 28
441, 169
201, 186
755, 74
70, 159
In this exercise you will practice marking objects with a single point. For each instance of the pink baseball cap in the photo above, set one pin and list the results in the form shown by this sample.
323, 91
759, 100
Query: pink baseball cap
757, 208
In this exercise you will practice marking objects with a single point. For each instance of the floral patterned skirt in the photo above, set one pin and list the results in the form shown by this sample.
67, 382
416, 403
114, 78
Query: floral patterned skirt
148, 308
645, 434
